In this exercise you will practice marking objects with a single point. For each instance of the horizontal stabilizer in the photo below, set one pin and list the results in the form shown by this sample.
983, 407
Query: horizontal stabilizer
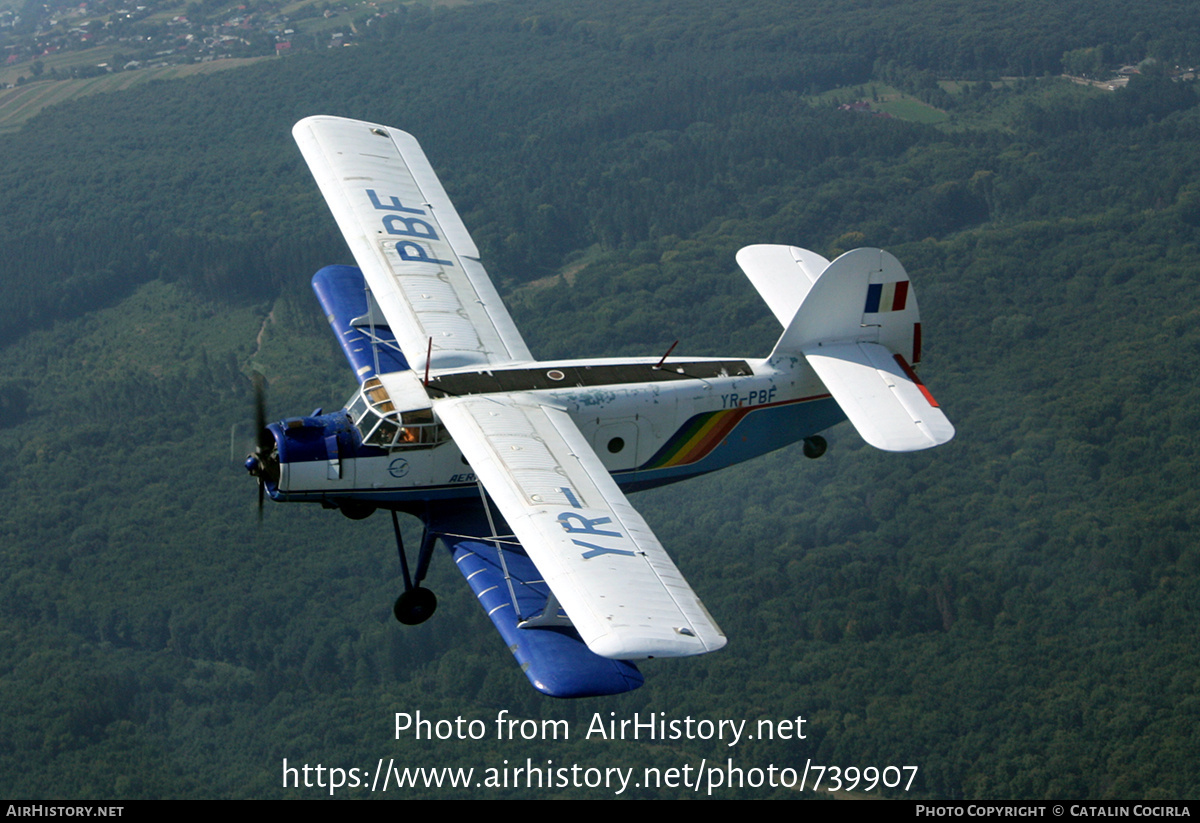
881, 395
783, 275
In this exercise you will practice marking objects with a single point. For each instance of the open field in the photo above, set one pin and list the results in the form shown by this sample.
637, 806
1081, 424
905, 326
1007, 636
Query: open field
19, 104
909, 108
994, 115
887, 99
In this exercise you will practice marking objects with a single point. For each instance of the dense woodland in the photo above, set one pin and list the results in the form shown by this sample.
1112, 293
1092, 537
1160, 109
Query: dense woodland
1014, 613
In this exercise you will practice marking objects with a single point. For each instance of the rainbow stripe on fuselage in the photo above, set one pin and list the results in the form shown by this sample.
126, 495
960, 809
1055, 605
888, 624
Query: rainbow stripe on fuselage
697, 438
712, 440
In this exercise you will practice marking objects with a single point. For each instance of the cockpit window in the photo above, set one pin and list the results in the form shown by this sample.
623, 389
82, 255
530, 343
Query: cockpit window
381, 425
357, 407
383, 434
378, 395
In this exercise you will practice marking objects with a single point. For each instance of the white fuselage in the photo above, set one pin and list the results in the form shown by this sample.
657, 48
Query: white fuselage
693, 416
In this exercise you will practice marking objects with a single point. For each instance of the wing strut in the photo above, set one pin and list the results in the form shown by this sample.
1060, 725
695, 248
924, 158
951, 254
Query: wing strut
428, 358
375, 353
549, 617
487, 509
550, 612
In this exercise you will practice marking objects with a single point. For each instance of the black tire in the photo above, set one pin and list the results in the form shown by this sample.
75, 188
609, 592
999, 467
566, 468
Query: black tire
356, 511
814, 446
415, 606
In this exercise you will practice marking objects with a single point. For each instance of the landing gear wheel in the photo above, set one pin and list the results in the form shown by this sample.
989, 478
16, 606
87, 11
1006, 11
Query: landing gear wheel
415, 606
814, 446
356, 510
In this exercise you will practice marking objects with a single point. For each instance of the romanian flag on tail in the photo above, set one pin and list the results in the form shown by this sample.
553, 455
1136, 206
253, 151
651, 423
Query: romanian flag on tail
883, 297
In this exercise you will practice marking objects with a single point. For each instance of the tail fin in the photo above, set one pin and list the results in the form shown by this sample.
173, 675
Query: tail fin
858, 325
863, 296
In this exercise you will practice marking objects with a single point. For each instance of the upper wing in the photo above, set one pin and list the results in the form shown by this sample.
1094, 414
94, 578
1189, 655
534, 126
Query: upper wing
606, 568
414, 251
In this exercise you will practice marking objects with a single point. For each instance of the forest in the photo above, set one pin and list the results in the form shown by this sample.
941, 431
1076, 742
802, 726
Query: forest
1014, 614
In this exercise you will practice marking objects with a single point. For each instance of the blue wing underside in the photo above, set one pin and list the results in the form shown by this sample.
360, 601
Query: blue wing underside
510, 589
342, 292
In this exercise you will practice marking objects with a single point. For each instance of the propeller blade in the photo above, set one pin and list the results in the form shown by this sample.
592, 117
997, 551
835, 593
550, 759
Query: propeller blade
262, 436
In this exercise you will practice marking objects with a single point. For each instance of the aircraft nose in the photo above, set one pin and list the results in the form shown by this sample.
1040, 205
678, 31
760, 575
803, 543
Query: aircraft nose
263, 464
253, 465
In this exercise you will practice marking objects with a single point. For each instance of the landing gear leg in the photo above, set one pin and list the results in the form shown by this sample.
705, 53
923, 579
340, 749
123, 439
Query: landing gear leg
416, 604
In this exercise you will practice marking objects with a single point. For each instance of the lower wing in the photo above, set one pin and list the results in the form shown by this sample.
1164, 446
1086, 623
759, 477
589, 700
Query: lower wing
513, 594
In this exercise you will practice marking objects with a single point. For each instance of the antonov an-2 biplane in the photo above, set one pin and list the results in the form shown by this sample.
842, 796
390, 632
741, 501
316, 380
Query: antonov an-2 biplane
521, 467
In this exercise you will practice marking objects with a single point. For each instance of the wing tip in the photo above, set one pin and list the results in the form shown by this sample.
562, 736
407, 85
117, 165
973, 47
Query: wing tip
682, 643
315, 121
